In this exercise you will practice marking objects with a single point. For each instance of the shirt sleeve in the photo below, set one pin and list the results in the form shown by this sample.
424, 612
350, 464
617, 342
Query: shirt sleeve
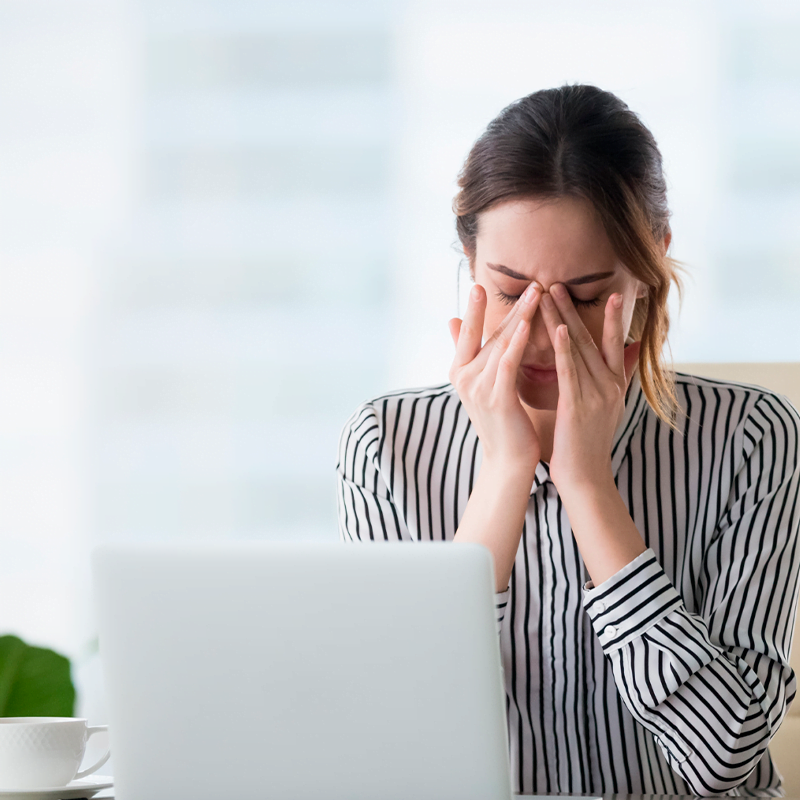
714, 686
367, 511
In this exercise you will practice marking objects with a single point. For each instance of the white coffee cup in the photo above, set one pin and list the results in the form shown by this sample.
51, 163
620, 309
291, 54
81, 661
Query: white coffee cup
44, 752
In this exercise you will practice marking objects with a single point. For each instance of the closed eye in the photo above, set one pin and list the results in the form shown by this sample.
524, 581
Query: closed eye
510, 299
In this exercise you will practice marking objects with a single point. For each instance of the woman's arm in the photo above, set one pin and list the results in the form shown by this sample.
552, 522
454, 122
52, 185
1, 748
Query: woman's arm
494, 516
485, 378
712, 687
591, 402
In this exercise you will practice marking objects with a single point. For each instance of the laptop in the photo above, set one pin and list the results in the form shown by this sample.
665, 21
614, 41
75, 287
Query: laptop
302, 670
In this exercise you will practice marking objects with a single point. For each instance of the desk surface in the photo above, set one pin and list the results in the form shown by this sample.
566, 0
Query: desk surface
105, 796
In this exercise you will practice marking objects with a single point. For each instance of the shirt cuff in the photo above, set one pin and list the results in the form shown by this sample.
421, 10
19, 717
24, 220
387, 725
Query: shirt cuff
500, 604
629, 602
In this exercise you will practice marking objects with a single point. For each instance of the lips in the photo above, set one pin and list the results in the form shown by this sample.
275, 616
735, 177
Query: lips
540, 374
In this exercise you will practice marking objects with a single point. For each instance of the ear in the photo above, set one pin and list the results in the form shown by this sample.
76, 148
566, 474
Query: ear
667, 240
641, 291
631, 358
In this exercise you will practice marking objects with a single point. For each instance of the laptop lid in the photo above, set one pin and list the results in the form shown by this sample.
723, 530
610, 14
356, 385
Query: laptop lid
302, 671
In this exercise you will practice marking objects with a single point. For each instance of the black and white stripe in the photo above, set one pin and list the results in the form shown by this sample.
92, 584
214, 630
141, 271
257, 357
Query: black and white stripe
672, 676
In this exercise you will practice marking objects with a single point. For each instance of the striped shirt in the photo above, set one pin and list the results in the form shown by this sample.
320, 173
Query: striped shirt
672, 675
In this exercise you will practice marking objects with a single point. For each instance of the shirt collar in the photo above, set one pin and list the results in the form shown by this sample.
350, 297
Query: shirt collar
542, 475
635, 406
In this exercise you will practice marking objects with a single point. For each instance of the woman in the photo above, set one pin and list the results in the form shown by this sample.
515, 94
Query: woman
644, 524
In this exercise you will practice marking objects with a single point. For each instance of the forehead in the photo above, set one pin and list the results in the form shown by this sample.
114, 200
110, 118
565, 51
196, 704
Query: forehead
546, 240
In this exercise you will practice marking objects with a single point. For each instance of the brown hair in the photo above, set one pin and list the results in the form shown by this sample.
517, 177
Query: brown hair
579, 141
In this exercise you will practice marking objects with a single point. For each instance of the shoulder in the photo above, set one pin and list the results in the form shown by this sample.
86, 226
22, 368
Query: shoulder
389, 407
732, 405
714, 389
394, 414
700, 386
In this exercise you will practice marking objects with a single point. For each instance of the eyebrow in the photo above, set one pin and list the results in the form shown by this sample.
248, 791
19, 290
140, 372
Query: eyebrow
518, 276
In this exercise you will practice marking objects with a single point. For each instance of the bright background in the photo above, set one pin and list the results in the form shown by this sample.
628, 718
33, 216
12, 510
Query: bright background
224, 223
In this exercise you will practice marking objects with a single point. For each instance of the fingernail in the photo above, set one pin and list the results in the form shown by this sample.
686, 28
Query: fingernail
531, 291
474, 293
558, 290
547, 301
617, 301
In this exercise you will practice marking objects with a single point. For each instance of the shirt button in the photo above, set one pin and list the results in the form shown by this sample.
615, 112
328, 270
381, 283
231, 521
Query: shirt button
610, 631
601, 607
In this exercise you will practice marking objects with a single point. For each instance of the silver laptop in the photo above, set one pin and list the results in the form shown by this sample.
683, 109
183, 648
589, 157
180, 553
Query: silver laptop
312, 671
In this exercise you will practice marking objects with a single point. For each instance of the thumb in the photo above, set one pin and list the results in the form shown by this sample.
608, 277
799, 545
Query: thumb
455, 329
631, 358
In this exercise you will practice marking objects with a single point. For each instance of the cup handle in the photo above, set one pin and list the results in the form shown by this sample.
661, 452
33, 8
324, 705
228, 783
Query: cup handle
94, 767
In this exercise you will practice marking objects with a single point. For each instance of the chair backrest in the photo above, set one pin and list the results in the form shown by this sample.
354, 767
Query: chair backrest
780, 377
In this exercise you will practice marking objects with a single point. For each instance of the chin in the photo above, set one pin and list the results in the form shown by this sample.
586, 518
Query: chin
541, 396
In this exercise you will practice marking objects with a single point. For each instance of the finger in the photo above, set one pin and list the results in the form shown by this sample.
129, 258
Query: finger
569, 387
471, 329
455, 329
524, 308
518, 310
505, 382
552, 319
578, 332
614, 337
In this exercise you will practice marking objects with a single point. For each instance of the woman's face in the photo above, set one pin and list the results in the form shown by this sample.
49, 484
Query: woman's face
549, 241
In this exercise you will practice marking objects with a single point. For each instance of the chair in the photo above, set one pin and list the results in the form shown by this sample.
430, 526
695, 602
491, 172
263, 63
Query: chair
783, 378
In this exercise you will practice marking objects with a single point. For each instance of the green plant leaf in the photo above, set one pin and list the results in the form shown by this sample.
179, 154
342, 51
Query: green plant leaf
34, 681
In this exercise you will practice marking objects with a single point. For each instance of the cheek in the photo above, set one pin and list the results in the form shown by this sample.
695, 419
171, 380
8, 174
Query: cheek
593, 320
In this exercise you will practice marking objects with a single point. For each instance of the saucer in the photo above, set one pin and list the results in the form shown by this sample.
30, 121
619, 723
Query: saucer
85, 787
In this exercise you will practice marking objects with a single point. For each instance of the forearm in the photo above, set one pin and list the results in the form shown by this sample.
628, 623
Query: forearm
712, 707
495, 514
604, 531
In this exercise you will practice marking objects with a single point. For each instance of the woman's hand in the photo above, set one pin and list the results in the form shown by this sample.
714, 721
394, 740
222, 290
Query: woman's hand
591, 404
591, 392
486, 380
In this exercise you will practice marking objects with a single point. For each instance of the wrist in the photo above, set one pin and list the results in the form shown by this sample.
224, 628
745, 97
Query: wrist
495, 513
509, 471
603, 529
587, 488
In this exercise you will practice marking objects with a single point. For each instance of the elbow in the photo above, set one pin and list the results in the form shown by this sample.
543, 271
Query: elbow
706, 780
710, 786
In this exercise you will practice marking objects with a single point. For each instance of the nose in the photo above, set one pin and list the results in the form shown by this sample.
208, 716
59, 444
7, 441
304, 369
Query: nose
539, 340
